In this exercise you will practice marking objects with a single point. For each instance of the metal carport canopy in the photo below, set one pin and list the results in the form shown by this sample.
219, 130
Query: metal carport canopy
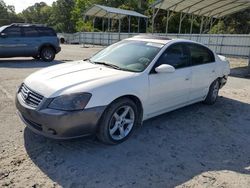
208, 8
110, 12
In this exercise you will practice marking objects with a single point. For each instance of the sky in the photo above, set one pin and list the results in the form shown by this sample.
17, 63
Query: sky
20, 5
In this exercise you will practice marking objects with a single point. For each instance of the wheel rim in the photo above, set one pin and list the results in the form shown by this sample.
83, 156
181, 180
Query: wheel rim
47, 54
215, 90
121, 123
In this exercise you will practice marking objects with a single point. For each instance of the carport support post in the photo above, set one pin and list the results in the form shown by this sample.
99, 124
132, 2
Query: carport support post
192, 23
94, 24
103, 21
108, 23
119, 29
167, 22
129, 24
153, 20
249, 63
146, 25
108, 29
138, 25
211, 24
180, 23
201, 27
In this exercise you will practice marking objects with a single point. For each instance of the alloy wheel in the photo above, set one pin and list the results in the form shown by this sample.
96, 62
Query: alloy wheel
121, 123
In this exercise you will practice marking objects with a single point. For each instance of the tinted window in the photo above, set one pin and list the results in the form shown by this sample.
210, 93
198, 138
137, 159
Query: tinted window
13, 31
175, 55
45, 31
200, 54
30, 32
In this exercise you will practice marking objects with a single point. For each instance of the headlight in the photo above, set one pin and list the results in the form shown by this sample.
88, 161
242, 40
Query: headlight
70, 102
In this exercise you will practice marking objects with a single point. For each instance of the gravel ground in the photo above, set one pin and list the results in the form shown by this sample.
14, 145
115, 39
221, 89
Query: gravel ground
196, 146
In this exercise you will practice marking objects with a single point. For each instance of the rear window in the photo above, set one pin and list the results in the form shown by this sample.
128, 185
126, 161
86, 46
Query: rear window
200, 54
46, 31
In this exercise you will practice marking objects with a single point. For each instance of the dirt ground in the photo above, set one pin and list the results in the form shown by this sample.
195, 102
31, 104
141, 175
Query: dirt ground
196, 146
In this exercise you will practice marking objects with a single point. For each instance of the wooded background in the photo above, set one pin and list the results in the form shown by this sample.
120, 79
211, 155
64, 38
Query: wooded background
67, 16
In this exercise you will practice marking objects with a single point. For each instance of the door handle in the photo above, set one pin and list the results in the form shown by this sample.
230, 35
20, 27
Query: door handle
187, 79
213, 71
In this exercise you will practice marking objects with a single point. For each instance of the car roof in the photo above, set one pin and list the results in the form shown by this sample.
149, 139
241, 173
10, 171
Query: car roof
28, 25
24, 25
160, 39
151, 38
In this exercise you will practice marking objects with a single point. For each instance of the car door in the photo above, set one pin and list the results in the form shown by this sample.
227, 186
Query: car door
32, 40
10, 42
170, 90
203, 69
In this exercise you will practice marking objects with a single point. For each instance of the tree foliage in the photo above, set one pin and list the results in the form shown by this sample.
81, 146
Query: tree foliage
7, 14
68, 16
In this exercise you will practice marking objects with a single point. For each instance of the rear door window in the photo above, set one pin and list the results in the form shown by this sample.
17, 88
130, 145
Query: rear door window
30, 32
13, 31
200, 54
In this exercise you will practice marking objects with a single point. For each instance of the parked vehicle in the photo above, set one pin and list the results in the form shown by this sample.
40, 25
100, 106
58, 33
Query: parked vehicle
28, 40
121, 86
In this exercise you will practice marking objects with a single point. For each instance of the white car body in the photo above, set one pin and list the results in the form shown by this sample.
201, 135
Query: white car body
184, 86
45, 99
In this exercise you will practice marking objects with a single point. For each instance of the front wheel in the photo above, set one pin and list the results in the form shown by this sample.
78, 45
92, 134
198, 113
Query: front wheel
118, 122
212, 93
47, 54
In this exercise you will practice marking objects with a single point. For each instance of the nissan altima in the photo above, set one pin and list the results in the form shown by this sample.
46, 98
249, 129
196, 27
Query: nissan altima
115, 90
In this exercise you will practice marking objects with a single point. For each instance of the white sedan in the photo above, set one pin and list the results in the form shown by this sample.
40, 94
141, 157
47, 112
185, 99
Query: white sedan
118, 88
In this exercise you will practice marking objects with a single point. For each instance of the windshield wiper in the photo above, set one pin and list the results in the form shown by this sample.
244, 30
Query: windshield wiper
108, 65
105, 64
89, 60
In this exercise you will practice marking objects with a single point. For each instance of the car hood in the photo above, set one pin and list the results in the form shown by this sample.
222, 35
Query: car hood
72, 77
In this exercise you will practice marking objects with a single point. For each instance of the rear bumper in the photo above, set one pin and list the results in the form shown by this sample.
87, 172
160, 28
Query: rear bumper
59, 124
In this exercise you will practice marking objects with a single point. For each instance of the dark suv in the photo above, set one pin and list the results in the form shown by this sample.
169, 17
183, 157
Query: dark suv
28, 40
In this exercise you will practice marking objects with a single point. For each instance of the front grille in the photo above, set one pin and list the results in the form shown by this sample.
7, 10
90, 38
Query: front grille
30, 97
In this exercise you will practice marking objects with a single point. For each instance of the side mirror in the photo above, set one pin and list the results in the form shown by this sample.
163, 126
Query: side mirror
3, 35
165, 68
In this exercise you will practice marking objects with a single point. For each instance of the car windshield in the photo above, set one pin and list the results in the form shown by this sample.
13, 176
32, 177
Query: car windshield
128, 55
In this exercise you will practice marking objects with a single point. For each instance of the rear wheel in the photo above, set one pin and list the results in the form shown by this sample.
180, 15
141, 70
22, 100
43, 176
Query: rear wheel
212, 93
47, 54
118, 122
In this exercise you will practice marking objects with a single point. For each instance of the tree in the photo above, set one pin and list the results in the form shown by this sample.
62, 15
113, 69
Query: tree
77, 15
61, 16
238, 23
7, 14
38, 13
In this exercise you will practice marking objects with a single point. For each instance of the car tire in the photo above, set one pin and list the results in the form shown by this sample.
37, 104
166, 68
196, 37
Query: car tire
212, 93
118, 122
47, 54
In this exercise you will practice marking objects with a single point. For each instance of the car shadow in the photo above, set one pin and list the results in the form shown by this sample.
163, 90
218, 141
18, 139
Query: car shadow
166, 151
27, 63
240, 72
